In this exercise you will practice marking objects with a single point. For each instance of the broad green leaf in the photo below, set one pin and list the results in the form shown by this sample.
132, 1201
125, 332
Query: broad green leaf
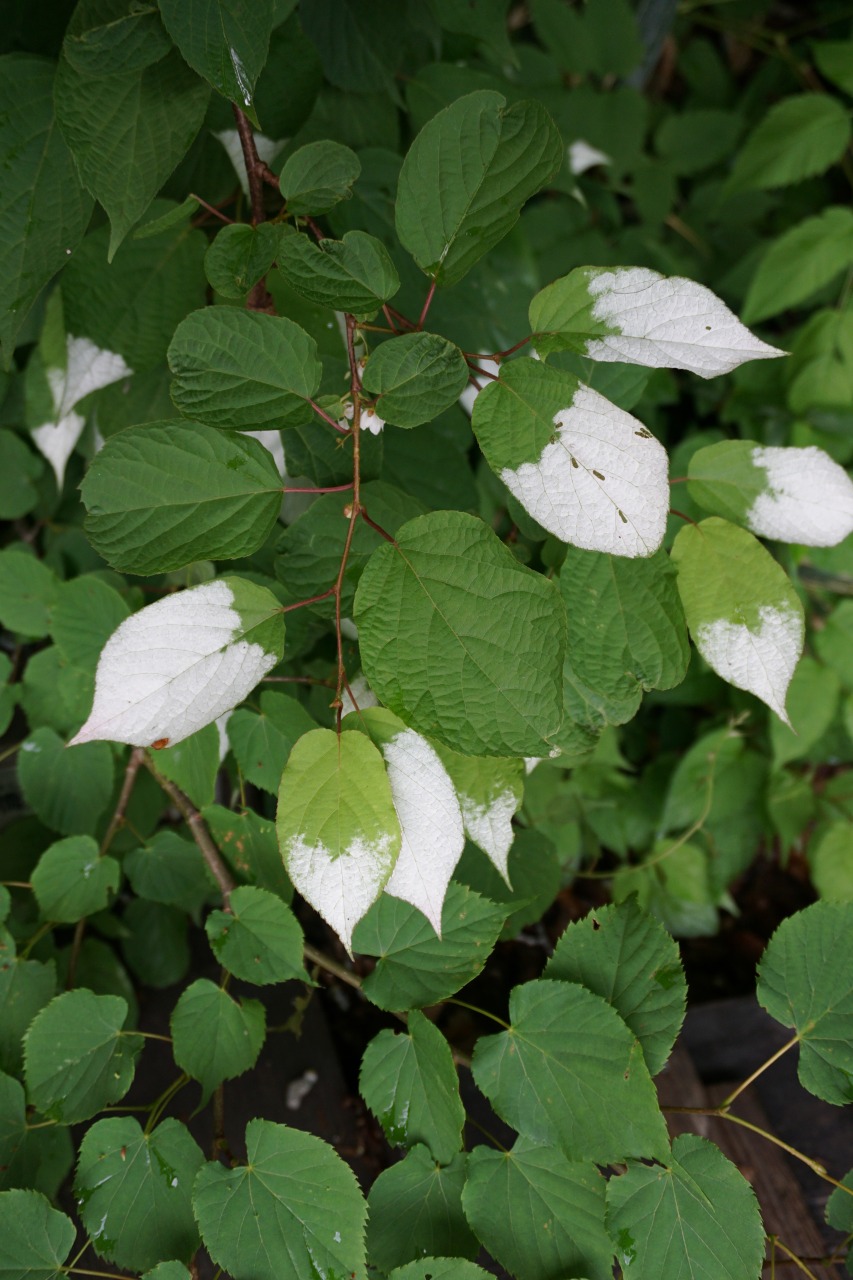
193, 764
804, 982
250, 845
353, 274
415, 1209
831, 862
77, 1058
26, 986
744, 615
691, 141
127, 129
86, 613
122, 41
165, 494
416, 377
71, 881
168, 1271
439, 1269
68, 790
639, 315
409, 1082
833, 62
30, 1156
37, 1238
20, 469
182, 662
226, 41
466, 176
490, 791
539, 1215
834, 643
586, 471
337, 828
812, 704
415, 968
318, 176
259, 939
44, 210
674, 885
134, 1190
601, 38
486, 22
240, 255
821, 367
533, 869
241, 369
294, 1211
624, 956
461, 641
155, 943
28, 590
262, 742
800, 136
569, 1071
215, 1037
178, 215
169, 869
799, 262
791, 495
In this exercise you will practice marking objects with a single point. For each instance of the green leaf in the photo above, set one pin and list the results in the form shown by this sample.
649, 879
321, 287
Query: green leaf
168, 1271
353, 274
692, 141
539, 1215
193, 764
31, 1157
832, 864
250, 845
155, 945
461, 641
813, 699
20, 468
799, 262
26, 986
318, 176
359, 44
799, 137
262, 742
178, 215
37, 1238
693, 1216
86, 613
259, 939
129, 129
241, 255
833, 62
294, 1211
241, 369
533, 870
28, 591
226, 41
170, 870
160, 496
337, 827
415, 1209
44, 210
804, 982
77, 1057
215, 1037
485, 21
134, 1190
409, 1082
71, 881
674, 885
438, 1269
414, 967
466, 176
624, 956
416, 377
744, 615
569, 1071
601, 38
490, 791
68, 790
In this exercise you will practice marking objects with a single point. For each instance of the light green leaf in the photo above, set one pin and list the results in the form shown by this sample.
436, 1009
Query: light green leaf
415, 968
831, 860
539, 1215
242, 369
318, 176
744, 615
226, 41
466, 176
461, 641
799, 262
674, 885
28, 591
490, 791
337, 828
570, 1071
86, 613
416, 377
812, 703
71, 881
353, 274
804, 982
624, 956
800, 136
409, 1082
586, 471
170, 870
135, 1191
215, 1037
37, 1238
77, 1058
241, 255
26, 986
834, 643
68, 790
294, 1211
259, 939
262, 742
415, 1209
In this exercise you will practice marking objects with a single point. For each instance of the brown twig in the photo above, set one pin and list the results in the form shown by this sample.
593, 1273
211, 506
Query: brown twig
253, 162
199, 832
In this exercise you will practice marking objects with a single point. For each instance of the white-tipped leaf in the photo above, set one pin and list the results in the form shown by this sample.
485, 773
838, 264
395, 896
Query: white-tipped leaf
637, 315
587, 471
337, 828
179, 664
490, 791
742, 611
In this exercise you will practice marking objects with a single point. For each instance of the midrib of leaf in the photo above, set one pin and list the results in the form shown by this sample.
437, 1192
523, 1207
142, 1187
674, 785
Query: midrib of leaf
475, 192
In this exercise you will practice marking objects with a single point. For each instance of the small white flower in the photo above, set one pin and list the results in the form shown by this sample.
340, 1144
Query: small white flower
582, 157
368, 421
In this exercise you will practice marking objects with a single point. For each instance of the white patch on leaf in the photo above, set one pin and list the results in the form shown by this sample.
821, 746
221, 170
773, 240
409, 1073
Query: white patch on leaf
361, 692
601, 483
271, 440
669, 322
341, 888
88, 368
172, 668
268, 149
808, 499
582, 156
469, 395
430, 821
761, 661
490, 826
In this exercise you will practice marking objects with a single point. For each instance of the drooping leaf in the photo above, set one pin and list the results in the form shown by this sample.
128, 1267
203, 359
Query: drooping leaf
169, 869
318, 176
415, 1209
744, 615
240, 255
639, 315
71, 881
353, 274
416, 376
799, 137
490, 791
209, 647
68, 790
259, 939
215, 1037
262, 742
37, 1238
801, 261
453, 661
226, 41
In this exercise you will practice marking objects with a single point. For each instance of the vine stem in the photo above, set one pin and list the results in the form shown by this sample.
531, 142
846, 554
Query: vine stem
727, 1102
198, 831
334, 488
427, 304
217, 213
253, 162
327, 418
795, 1258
